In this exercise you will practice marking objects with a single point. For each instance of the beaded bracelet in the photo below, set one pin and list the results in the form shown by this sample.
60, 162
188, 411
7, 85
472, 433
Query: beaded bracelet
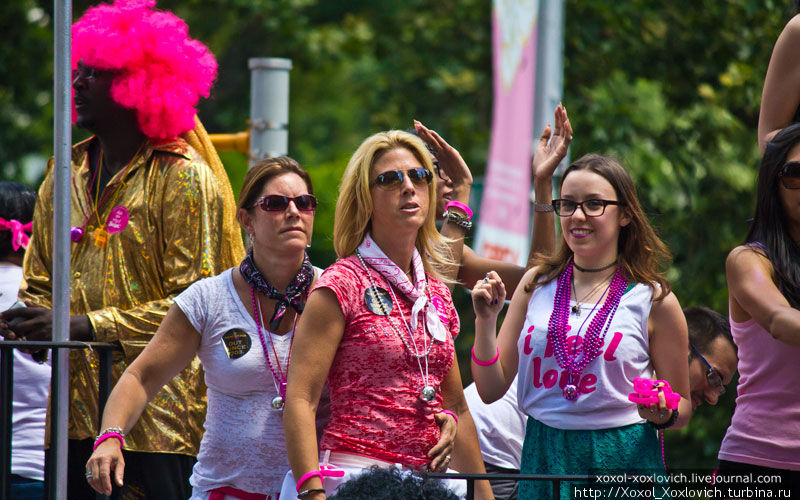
448, 412
458, 204
118, 430
485, 363
458, 219
109, 435
305, 477
305, 493
669, 423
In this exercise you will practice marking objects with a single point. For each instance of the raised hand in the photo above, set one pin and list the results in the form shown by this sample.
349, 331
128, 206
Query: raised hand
450, 160
552, 146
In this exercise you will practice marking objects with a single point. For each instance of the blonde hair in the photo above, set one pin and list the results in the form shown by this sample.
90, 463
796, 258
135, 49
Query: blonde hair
354, 207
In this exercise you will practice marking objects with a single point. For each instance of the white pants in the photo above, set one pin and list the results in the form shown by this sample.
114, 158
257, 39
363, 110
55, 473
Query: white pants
353, 465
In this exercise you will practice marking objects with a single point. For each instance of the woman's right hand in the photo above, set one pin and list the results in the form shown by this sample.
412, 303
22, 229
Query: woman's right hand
107, 458
489, 296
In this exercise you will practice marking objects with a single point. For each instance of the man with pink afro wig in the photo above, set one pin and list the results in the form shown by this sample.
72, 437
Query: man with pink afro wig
160, 72
152, 211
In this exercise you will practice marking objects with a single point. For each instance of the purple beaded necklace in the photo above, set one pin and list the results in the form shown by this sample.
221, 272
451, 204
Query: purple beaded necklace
595, 334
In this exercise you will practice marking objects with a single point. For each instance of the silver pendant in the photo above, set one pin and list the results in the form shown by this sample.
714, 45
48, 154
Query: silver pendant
277, 402
576, 310
427, 393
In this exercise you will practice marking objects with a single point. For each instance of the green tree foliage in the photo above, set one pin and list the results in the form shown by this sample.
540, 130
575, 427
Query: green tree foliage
671, 88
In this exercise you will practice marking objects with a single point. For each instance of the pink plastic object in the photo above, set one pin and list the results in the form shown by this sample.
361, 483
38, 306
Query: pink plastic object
645, 392
108, 435
458, 204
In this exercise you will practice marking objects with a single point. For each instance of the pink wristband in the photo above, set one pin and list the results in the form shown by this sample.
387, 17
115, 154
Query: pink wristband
485, 363
108, 435
308, 475
451, 414
458, 204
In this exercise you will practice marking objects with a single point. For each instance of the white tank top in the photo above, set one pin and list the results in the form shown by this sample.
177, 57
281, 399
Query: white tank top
605, 382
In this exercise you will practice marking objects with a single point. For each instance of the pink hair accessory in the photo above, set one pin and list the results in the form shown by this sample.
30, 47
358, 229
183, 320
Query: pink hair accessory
109, 435
451, 414
326, 471
485, 363
159, 71
645, 392
458, 204
18, 230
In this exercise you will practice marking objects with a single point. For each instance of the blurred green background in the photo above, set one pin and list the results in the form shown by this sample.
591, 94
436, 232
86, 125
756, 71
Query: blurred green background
671, 88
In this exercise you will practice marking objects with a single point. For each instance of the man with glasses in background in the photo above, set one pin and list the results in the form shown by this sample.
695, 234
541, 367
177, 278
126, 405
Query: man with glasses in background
712, 357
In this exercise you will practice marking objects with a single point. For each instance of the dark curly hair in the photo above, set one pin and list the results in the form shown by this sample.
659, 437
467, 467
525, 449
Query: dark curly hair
392, 484
16, 202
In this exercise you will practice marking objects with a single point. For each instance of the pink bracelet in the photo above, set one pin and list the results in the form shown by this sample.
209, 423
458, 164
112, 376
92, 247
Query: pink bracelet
485, 363
308, 475
458, 204
108, 435
451, 414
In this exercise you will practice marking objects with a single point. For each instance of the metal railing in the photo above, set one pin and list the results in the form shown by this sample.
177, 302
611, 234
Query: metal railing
105, 352
471, 478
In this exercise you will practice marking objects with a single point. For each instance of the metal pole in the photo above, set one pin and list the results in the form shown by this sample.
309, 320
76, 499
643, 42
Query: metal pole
59, 402
6, 404
269, 107
549, 65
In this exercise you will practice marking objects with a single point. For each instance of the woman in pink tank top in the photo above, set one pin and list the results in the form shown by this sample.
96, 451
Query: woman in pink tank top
764, 297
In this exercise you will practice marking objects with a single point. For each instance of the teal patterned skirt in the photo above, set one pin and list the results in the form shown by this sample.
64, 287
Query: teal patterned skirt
632, 449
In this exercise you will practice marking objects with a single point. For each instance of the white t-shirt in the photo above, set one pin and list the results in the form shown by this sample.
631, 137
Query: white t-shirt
500, 426
243, 445
31, 388
605, 382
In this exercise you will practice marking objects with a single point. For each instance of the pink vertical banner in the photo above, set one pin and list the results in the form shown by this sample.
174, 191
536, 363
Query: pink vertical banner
504, 230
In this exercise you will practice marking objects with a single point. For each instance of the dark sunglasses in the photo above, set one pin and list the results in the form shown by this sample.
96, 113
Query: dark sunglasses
279, 203
713, 375
394, 178
590, 208
790, 175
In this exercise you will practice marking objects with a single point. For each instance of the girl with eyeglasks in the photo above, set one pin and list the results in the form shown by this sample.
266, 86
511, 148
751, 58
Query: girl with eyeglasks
583, 324
241, 325
764, 298
379, 327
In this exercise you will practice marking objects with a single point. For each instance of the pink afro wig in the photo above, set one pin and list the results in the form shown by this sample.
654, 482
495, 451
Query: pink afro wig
162, 72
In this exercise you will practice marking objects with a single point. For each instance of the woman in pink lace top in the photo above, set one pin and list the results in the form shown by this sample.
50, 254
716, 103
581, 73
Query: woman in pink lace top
379, 327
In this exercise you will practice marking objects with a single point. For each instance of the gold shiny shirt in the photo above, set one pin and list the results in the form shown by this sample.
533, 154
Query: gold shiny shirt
173, 238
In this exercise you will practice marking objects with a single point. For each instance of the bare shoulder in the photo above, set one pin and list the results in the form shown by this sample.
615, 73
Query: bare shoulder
793, 26
668, 305
747, 258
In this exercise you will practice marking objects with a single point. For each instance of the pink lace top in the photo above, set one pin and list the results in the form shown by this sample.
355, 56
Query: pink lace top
374, 384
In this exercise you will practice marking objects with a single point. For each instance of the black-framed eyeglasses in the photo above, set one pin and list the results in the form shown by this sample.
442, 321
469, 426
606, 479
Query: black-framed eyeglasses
713, 375
393, 179
279, 203
590, 208
790, 175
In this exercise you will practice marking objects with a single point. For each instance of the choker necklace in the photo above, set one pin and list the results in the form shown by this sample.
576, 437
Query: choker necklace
428, 392
592, 269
